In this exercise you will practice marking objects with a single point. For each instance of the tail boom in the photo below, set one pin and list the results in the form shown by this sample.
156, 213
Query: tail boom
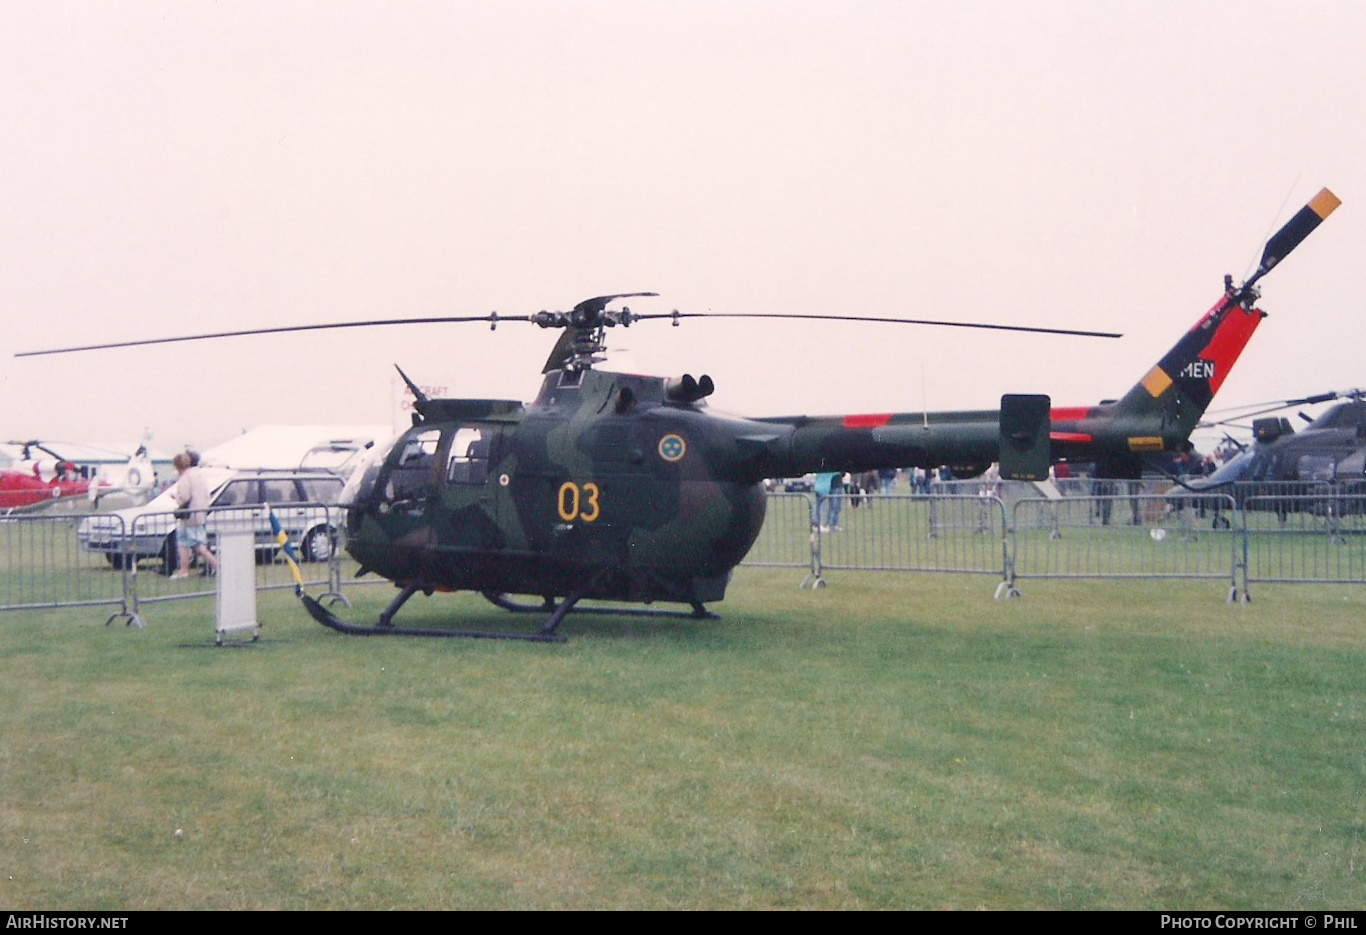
1157, 414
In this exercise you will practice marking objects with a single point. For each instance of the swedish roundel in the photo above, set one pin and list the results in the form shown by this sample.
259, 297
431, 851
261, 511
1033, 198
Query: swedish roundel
672, 447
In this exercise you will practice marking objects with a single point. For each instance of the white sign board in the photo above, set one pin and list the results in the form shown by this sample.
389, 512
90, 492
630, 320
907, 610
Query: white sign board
236, 585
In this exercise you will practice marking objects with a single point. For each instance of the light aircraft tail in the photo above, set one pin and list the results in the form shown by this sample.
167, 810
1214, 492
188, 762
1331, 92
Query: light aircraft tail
128, 484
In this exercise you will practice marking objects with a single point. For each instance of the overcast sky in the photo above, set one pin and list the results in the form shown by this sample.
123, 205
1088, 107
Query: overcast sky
174, 167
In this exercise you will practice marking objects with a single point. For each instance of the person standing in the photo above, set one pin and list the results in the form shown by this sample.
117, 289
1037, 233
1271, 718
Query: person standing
192, 534
829, 500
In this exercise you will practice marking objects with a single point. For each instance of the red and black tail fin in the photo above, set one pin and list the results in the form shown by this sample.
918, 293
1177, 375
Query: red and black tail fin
1182, 384
1179, 389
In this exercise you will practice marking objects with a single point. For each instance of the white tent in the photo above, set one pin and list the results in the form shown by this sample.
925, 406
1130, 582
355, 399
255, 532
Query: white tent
331, 447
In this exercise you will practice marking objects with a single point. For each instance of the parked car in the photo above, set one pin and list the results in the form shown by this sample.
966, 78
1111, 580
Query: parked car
236, 499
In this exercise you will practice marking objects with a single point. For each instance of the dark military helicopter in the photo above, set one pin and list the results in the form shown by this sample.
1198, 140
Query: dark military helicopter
1284, 471
627, 488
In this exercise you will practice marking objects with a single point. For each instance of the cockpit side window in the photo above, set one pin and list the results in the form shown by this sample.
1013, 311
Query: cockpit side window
468, 461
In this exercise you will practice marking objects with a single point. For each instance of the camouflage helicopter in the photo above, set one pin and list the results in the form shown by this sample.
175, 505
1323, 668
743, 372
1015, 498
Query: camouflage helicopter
626, 488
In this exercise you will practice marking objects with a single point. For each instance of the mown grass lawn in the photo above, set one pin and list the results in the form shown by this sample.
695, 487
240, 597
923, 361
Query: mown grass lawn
896, 741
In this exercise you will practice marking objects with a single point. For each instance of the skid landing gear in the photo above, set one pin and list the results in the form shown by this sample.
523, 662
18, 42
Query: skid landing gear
385, 626
547, 634
698, 612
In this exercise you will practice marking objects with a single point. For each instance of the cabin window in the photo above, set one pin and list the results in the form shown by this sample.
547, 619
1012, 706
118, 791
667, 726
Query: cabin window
1316, 467
468, 462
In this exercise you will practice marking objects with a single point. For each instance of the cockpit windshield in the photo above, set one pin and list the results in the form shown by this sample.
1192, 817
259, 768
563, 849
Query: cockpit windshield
1231, 470
362, 479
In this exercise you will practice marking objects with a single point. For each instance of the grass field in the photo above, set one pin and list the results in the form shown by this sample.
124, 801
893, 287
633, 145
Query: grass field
896, 741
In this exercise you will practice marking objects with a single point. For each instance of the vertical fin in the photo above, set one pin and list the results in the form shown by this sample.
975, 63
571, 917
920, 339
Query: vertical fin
1182, 384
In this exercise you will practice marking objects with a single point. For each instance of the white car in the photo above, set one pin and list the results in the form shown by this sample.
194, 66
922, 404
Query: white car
301, 501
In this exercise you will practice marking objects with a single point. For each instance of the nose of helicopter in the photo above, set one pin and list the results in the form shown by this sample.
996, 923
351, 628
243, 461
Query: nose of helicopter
360, 486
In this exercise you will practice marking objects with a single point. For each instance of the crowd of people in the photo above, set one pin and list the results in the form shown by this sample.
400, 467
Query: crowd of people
832, 489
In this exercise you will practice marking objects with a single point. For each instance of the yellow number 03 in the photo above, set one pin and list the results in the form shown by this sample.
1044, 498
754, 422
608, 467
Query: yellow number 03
578, 502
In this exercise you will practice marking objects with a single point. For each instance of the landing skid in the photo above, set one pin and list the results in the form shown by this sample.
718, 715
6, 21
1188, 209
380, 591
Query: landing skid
698, 611
321, 614
547, 633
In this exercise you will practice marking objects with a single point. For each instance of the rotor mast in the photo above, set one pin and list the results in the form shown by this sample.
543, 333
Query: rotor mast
584, 341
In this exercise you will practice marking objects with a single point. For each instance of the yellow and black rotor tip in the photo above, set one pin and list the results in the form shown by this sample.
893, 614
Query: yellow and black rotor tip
1299, 227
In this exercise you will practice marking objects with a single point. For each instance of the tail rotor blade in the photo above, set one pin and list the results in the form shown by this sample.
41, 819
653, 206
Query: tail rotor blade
1296, 229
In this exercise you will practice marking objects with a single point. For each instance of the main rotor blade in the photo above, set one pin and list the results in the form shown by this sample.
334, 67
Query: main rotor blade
1273, 405
493, 317
890, 321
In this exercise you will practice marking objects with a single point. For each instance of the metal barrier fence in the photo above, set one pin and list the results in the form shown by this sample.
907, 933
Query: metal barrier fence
1319, 537
1009, 491
42, 565
883, 532
1300, 533
1307, 532
895, 532
785, 539
94, 559
147, 549
1131, 536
